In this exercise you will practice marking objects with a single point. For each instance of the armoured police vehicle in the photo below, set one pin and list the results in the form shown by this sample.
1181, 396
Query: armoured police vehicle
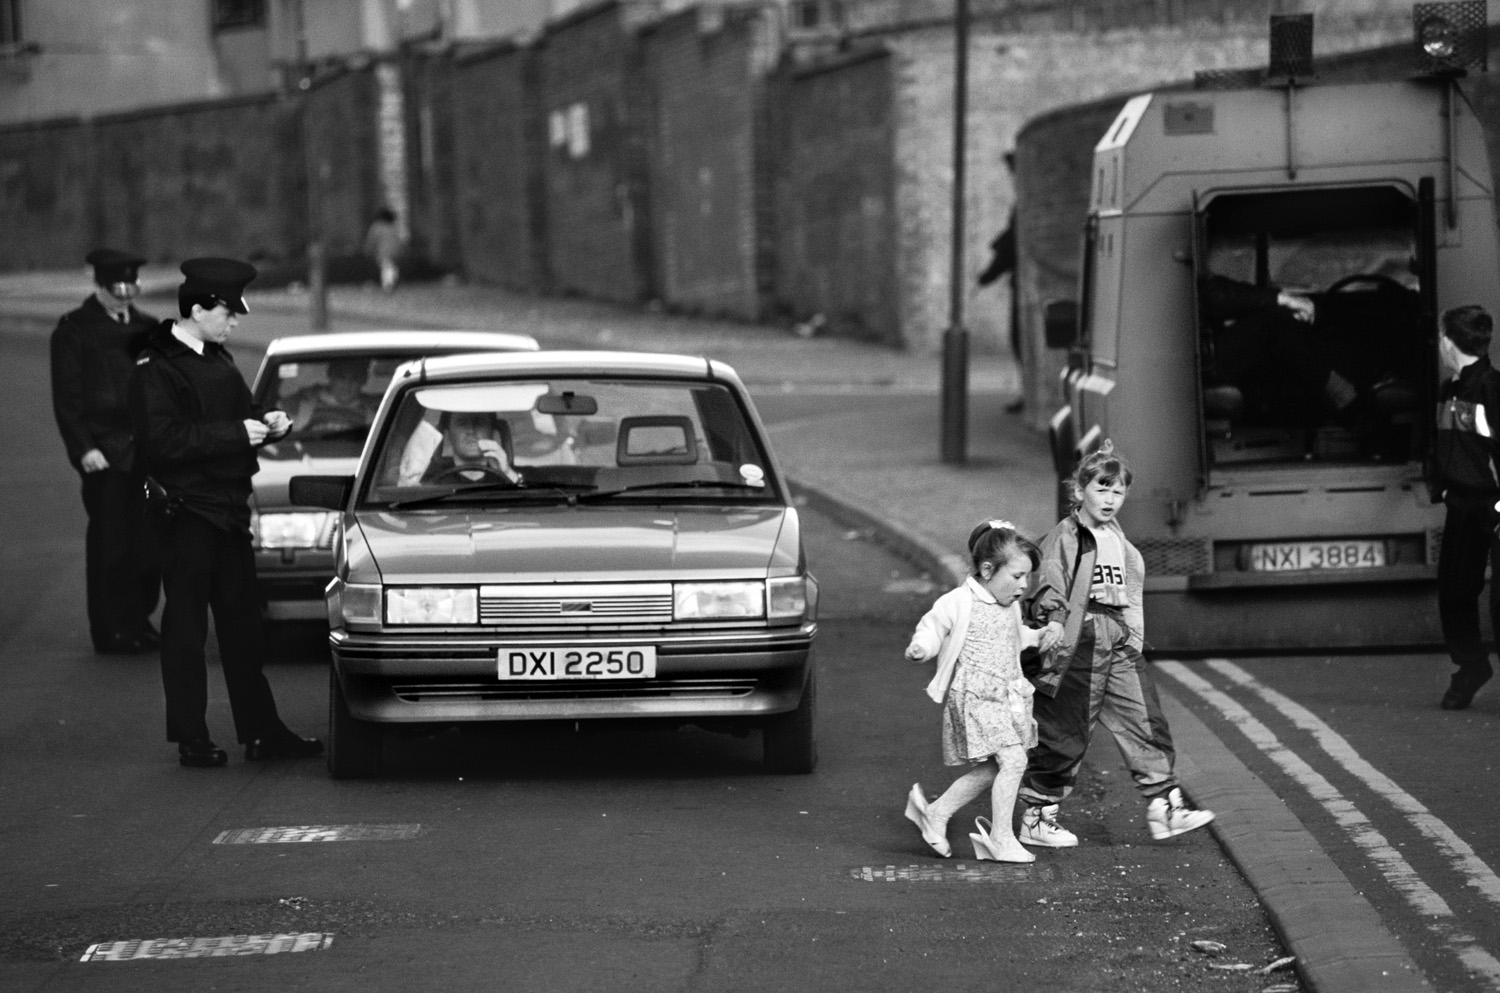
1263, 267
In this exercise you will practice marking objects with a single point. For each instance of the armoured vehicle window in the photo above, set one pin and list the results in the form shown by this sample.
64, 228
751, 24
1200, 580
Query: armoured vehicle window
1310, 333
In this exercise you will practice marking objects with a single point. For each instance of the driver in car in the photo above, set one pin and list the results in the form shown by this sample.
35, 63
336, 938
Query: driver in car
473, 450
338, 403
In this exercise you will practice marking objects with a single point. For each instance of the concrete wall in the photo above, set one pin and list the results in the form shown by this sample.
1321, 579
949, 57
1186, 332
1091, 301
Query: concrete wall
429, 88
594, 97
498, 157
707, 70
836, 224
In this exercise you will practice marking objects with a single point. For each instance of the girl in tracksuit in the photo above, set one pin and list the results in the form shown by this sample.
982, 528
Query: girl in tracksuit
975, 633
1092, 582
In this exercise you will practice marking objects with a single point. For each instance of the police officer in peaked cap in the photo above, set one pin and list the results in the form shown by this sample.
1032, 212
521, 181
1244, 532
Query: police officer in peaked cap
94, 349
198, 431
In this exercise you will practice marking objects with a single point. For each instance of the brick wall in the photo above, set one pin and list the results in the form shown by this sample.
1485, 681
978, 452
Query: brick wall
343, 163
499, 144
836, 234
222, 178
594, 98
707, 70
428, 78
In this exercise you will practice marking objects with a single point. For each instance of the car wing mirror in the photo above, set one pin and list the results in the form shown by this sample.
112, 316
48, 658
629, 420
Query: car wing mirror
1060, 323
328, 492
567, 403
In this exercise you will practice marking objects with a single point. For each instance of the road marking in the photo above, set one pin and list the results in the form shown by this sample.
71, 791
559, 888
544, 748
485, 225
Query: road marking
318, 832
202, 948
1464, 859
1436, 914
957, 872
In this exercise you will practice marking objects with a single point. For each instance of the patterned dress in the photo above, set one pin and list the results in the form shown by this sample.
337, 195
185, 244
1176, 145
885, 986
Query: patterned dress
989, 702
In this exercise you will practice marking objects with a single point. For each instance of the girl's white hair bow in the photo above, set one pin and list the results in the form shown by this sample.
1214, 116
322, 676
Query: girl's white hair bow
997, 525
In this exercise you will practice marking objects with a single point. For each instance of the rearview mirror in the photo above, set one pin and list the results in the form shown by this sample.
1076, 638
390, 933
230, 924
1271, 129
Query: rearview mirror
1060, 323
568, 403
328, 492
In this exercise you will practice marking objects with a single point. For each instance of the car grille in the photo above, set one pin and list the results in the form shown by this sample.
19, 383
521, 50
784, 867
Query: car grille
632, 689
629, 603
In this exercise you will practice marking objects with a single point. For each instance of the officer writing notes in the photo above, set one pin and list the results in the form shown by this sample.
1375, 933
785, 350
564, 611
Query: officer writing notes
93, 353
198, 432
1468, 475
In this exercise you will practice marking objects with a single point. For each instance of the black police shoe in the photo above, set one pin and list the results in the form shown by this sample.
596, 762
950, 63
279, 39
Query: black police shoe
1461, 689
120, 644
200, 753
282, 745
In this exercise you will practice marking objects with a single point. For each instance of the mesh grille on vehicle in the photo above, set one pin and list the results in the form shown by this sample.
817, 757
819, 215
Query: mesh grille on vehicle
1174, 556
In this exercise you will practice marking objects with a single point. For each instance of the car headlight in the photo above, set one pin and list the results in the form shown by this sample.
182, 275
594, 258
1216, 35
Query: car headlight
358, 603
298, 529
431, 605
705, 601
788, 597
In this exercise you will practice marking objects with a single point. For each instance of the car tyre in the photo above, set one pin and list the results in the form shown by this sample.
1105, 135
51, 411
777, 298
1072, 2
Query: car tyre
354, 746
790, 740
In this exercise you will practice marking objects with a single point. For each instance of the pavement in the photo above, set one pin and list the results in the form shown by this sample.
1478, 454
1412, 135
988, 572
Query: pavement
877, 469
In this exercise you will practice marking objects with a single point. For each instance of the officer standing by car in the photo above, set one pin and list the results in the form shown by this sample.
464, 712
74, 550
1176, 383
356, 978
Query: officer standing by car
93, 354
1467, 466
198, 431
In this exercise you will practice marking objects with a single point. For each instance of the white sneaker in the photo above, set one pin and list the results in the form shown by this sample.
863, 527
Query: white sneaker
1172, 814
1039, 827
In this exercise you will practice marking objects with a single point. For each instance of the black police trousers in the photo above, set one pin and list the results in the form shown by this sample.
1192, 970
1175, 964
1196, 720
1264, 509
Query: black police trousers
1469, 543
208, 568
124, 580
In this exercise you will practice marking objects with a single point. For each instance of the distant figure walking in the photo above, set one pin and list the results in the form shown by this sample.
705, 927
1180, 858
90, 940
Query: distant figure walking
976, 635
383, 244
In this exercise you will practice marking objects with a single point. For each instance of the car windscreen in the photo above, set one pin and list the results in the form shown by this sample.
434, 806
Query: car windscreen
584, 439
331, 402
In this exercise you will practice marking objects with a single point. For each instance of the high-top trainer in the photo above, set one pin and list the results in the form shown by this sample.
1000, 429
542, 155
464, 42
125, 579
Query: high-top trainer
1039, 828
1172, 814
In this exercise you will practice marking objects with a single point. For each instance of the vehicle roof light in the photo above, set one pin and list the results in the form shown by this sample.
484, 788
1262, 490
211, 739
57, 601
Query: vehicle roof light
1451, 37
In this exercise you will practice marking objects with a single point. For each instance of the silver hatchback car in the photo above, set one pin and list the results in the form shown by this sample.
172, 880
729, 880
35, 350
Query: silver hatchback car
567, 536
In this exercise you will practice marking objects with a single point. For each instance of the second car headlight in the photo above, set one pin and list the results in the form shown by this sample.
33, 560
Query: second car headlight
431, 605
700, 601
298, 529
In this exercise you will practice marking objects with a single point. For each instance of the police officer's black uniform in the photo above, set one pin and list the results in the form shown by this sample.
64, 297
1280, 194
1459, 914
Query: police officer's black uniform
1468, 473
93, 355
189, 411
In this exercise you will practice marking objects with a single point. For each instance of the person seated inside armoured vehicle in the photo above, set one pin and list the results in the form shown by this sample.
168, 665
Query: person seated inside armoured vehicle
338, 405
1307, 361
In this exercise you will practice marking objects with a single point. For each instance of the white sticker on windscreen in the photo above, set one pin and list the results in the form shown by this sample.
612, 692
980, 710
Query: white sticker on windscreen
287, 370
753, 475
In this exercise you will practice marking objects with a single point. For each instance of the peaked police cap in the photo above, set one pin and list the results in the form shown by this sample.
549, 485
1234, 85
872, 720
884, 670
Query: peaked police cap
113, 266
223, 279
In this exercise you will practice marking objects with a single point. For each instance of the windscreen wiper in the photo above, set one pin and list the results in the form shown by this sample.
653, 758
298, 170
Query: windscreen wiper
566, 491
681, 484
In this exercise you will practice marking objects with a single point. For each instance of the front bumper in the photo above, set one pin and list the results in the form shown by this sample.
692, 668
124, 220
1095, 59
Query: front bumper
454, 678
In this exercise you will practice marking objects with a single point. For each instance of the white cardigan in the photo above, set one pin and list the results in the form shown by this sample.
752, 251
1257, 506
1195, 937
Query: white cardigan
942, 630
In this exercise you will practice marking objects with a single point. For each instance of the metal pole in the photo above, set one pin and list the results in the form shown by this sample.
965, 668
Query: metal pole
955, 397
317, 285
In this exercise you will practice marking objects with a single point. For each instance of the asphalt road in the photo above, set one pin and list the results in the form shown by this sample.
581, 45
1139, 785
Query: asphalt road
543, 861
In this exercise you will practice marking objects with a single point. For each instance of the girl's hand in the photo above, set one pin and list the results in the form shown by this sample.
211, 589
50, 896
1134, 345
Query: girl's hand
914, 653
1051, 635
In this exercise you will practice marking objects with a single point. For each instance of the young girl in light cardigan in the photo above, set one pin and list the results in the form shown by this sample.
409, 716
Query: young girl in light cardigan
976, 634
